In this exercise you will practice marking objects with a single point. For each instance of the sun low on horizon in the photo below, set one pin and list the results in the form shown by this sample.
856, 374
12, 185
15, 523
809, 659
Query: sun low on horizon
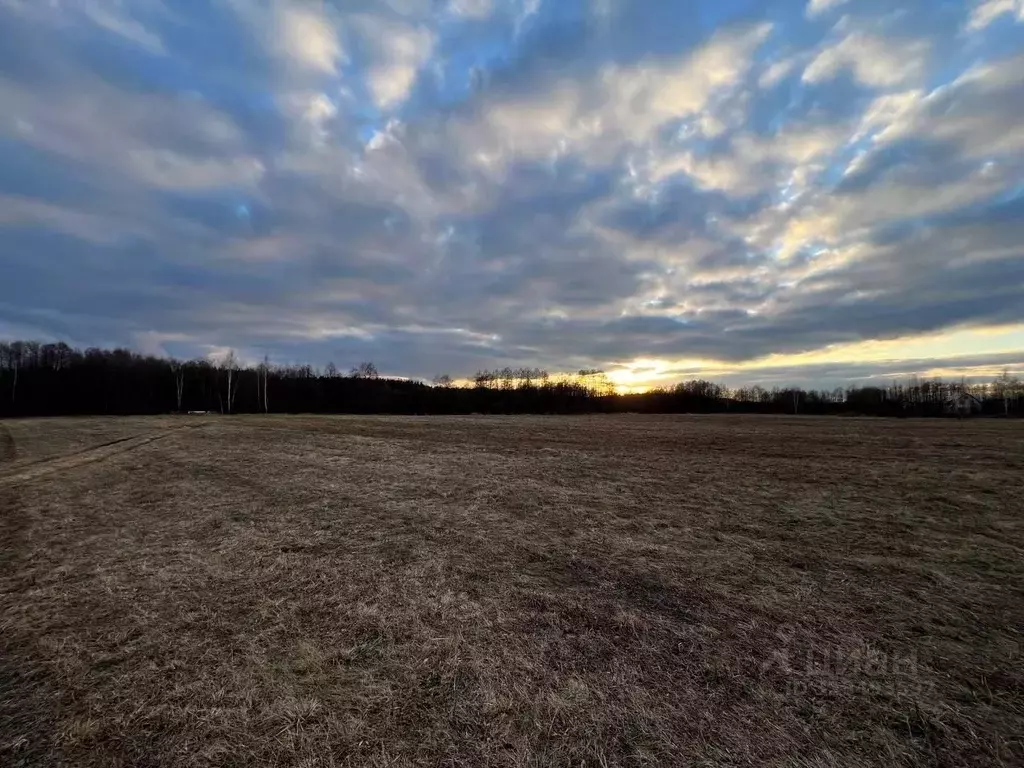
799, 192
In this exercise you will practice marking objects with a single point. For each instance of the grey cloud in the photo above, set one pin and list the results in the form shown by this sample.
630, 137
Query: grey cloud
913, 161
136, 217
842, 374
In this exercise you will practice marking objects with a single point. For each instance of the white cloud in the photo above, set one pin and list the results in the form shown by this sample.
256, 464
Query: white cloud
903, 193
619, 108
165, 169
874, 61
473, 9
299, 34
886, 115
755, 163
310, 114
399, 50
776, 71
148, 139
978, 119
981, 113
642, 98
434, 218
818, 7
89, 226
987, 11
307, 39
529, 9
111, 15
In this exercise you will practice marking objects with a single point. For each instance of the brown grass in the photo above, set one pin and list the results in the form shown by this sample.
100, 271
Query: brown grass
511, 591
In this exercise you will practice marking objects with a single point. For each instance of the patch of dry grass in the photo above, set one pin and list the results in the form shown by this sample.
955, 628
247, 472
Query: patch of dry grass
514, 591
39, 439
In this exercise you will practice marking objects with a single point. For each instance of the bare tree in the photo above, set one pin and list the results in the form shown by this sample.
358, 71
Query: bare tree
56, 356
16, 352
179, 379
364, 371
230, 365
508, 377
1004, 388
262, 377
331, 370
596, 381
444, 380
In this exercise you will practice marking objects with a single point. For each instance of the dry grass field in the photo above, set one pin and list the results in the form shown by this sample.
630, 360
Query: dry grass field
528, 591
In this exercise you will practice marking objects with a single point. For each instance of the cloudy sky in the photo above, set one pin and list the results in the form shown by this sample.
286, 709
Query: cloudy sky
797, 191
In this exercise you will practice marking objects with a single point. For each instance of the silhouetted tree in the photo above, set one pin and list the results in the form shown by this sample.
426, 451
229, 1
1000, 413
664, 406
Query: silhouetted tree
364, 371
54, 379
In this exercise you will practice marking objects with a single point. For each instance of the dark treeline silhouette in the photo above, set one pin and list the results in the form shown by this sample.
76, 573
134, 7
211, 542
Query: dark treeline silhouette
55, 380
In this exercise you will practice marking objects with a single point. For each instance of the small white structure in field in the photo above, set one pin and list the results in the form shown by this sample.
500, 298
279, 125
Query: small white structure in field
963, 404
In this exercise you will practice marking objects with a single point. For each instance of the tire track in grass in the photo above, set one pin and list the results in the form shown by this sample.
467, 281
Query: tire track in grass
27, 688
8, 448
70, 454
89, 455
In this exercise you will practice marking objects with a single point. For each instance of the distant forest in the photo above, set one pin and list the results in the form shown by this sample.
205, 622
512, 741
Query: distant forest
39, 379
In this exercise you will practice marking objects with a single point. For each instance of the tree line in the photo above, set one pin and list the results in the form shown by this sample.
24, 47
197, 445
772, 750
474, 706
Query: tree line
38, 379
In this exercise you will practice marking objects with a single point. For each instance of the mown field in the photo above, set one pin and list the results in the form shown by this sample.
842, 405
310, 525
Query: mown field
527, 591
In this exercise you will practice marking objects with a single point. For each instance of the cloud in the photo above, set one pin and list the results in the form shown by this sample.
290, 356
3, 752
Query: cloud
473, 9
751, 163
528, 9
986, 12
616, 107
91, 227
114, 17
873, 60
398, 51
300, 35
776, 72
819, 7
110, 15
153, 140
980, 113
518, 183
308, 39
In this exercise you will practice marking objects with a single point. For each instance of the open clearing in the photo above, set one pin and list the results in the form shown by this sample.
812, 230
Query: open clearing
479, 591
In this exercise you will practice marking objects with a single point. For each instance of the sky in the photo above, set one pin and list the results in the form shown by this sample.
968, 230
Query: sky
814, 192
